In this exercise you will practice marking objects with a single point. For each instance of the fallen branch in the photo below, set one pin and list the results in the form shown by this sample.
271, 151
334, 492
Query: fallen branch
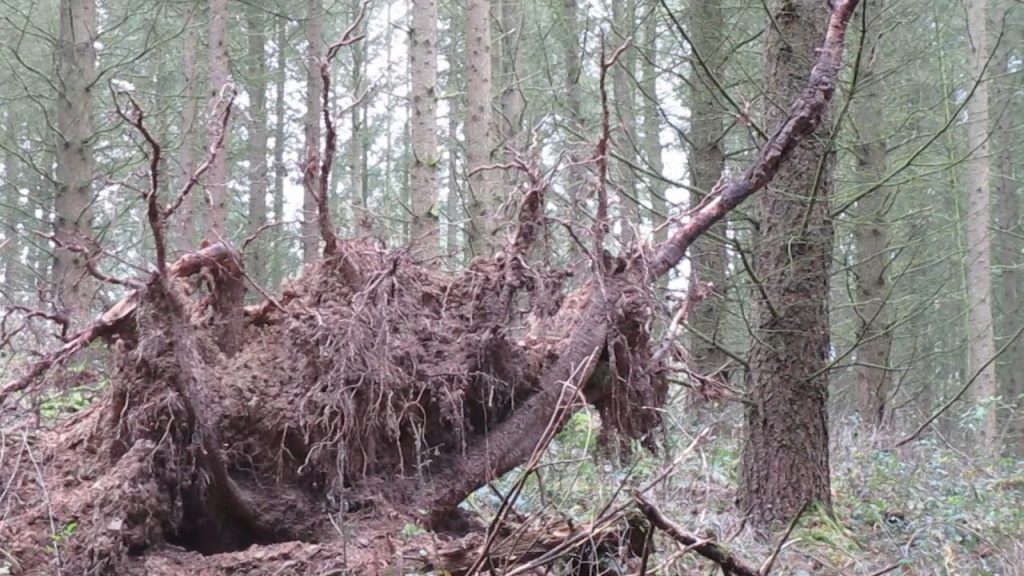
805, 115
711, 550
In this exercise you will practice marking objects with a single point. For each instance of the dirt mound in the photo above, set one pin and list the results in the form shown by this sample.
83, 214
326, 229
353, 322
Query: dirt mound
335, 411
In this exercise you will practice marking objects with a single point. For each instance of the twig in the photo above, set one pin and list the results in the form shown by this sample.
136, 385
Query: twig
90, 263
710, 550
963, 390
601, 158
227, 100
322, 174
568, 396
766, 568
252, 237
153, 214
693, 297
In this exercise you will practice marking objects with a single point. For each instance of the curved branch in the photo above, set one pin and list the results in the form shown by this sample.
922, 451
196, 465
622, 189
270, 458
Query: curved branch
803, 119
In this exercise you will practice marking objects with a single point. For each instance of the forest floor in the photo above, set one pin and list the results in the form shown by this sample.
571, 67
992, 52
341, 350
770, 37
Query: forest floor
928, 508
925, 509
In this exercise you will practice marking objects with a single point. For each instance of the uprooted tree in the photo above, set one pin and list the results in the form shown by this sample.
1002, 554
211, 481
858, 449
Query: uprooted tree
371, 388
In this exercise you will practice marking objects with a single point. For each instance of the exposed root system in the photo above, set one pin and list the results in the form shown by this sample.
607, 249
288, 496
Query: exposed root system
310, 434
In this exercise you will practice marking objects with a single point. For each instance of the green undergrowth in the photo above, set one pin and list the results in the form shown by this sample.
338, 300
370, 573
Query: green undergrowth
924, 509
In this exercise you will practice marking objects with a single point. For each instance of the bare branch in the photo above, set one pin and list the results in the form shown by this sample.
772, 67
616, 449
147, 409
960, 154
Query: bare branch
226, 102
713, 551
135, 117
804, 117
601, 157
322, 174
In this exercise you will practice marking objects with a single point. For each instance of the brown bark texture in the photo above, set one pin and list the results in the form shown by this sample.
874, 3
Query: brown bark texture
1008, 247
785, 459
256, 264
311, 127
219, 173
186, 226
481, 201
707, 135
977, 177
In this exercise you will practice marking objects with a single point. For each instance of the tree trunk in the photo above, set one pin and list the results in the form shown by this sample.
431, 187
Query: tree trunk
282, 247
980, 329
217, 176
624, 22
1008, 221
708, 255
481, 204
314, 89
11, 251
576, 175
871, 232
423, 130
652, 126
76, 72
187, 217
256, 256
785, 459
452, 212
357, 150
513, 104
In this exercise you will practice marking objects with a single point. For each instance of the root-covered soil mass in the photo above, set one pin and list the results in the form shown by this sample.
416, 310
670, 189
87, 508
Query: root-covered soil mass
301, 434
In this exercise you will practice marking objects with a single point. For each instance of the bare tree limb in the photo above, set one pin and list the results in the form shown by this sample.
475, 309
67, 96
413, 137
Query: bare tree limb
601, 156
804, 117
321, 174
227, 100
711, 550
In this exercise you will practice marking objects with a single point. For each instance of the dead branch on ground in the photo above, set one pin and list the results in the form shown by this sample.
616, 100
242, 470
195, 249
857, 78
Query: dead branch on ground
711, 550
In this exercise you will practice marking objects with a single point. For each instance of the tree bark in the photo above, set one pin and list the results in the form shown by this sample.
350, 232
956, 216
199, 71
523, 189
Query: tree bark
1008, 249
652, 127
10, 252
576, 174
871, 232
481, 204
785, 459
218, 174
76, 72
623, 89
282, 247
707, 133
357, 148
980, 328
452, 212
187, 217
513, 103
423, 129
256, 256
314, 90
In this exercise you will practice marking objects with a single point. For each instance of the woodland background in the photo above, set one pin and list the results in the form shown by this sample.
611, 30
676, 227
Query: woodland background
874, 291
